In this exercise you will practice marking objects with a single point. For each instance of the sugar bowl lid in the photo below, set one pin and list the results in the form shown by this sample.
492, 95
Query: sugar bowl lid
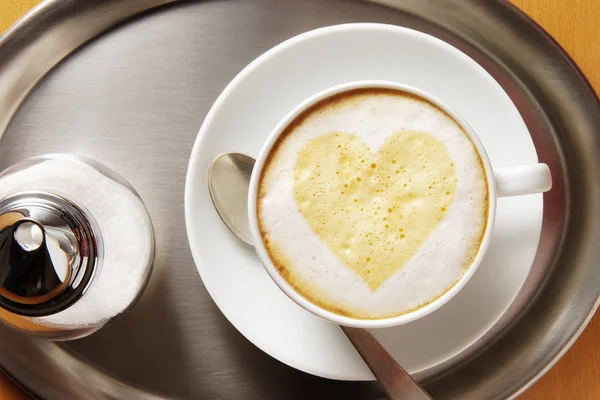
49, 251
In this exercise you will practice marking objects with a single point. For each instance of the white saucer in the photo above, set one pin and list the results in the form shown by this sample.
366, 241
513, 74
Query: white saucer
247, 111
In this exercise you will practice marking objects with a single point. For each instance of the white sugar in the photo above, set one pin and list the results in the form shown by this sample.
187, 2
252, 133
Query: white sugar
125, 228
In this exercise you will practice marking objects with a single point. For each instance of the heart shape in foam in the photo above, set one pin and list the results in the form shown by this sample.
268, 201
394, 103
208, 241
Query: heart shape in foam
374, 211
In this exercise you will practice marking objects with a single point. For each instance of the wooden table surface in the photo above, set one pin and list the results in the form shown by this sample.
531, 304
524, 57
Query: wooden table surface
574, 24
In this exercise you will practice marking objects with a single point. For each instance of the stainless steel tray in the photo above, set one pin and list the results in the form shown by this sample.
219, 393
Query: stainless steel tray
81, 76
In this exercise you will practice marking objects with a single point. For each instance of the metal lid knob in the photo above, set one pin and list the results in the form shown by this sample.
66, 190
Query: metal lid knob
48, 253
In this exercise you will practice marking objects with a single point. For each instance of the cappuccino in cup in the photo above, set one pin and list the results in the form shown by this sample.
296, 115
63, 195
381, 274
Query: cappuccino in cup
372, 203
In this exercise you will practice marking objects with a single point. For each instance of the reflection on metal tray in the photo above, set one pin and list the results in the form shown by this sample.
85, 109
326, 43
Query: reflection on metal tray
139, 113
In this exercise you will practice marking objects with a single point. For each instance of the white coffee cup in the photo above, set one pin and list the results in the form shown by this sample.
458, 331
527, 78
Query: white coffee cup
505, 182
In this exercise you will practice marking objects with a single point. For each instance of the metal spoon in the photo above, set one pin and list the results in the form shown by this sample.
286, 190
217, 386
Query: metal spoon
228, 181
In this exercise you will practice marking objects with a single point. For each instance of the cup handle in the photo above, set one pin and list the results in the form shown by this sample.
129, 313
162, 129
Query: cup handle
521, 180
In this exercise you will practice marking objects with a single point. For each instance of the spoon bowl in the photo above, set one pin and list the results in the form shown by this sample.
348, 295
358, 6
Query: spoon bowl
228, 181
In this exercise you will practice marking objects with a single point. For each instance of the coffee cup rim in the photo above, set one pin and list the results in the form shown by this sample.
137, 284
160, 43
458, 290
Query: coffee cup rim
257, 237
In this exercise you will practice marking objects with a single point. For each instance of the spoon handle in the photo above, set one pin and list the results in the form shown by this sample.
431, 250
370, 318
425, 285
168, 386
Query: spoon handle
396, 382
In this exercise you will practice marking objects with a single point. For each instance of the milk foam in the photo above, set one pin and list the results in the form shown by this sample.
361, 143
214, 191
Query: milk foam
316, 269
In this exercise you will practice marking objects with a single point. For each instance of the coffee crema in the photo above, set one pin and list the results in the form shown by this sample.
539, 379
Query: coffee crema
372, 203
